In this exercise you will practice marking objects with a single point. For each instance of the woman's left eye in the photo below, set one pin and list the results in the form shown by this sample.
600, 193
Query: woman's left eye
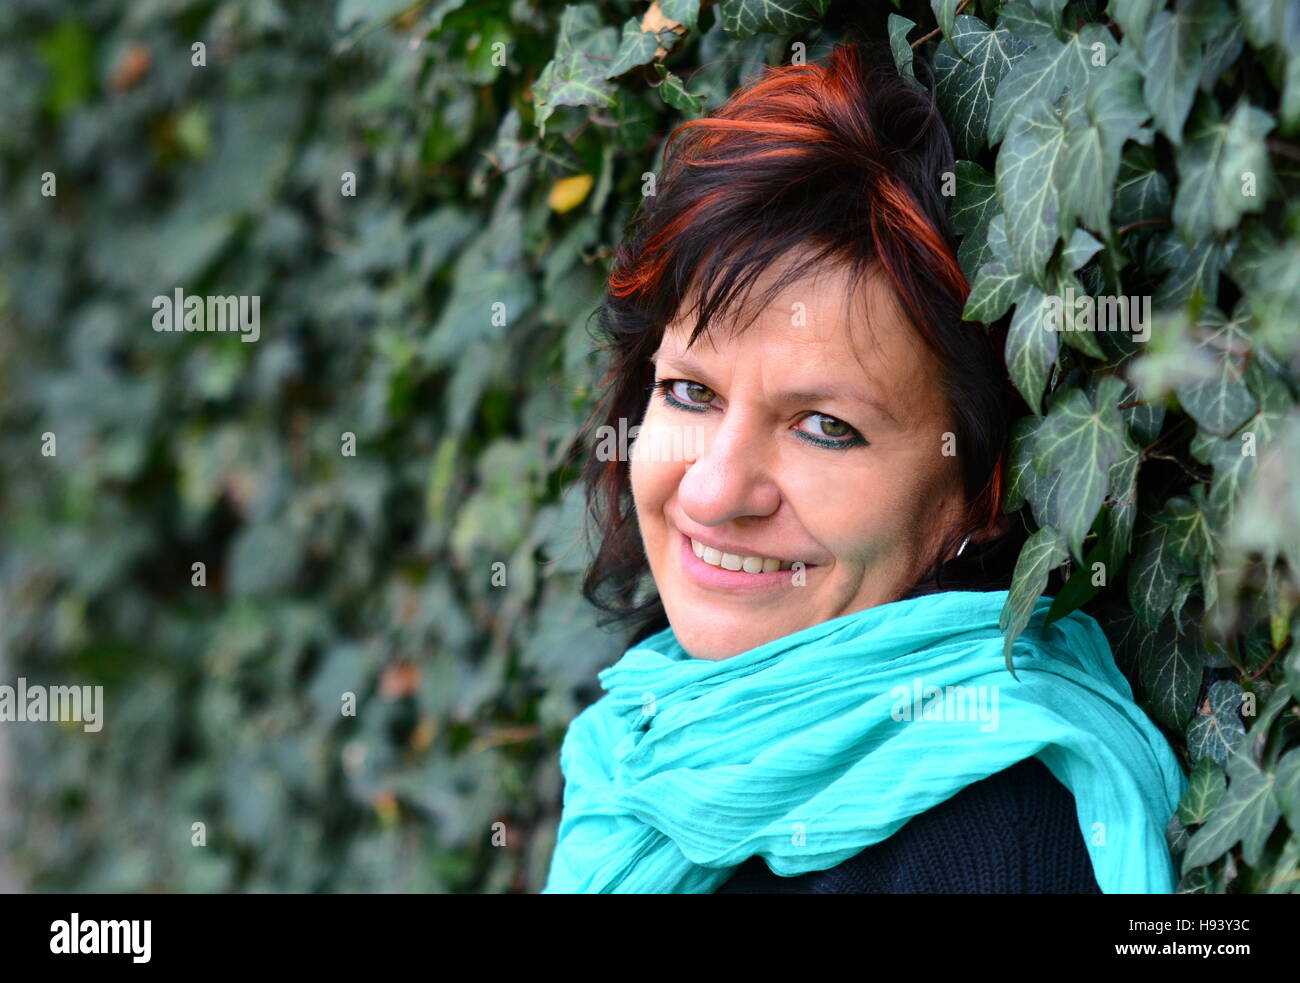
694, 397
831, 432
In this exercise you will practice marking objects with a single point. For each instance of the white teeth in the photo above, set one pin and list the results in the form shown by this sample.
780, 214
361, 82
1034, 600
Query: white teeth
732, 561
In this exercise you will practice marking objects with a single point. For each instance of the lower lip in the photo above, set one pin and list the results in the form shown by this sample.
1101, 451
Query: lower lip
707, 575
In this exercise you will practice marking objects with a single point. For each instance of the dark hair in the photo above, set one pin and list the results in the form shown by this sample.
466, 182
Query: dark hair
848, 158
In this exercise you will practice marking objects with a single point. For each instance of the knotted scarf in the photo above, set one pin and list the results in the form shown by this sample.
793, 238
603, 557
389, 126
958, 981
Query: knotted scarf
809, 748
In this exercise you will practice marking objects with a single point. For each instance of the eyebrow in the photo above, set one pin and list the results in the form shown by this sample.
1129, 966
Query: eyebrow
792, 396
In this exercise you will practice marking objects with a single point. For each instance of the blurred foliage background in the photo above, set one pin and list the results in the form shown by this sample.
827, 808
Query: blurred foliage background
438, 318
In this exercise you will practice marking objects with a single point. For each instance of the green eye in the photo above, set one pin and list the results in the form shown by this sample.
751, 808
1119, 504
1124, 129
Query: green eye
832, 427
694, 391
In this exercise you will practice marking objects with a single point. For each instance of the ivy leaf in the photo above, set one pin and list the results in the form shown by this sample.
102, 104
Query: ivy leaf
1099, 121
576, 75
1221, 403
745, 19
1042, 553
636, 48
674, 93
899, 27
1080, 441
1029, 163
967, 71
1031, 347
1288, 786
1233, 457
945, 12
1046, 71
1020, 459
1205, 789
1191, 539
1123, 494
1222, 170
1171, 56
684, 12
1081, 248
1035, 21
1217, 731
1152, 574
1141, 192
973, 209
1171, 661
1247, 815
1134, 19
1194, 271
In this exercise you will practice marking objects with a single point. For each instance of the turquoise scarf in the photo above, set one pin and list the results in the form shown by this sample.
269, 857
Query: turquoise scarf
810, 748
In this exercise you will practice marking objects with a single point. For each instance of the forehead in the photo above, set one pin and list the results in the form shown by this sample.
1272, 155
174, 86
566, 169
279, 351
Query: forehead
830, 326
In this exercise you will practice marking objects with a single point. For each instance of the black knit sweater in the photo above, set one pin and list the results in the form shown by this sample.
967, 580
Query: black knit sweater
1015, 832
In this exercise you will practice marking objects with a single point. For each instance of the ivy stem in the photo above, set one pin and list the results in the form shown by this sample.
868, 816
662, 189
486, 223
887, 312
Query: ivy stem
1271, 659
960, 7
1146, 221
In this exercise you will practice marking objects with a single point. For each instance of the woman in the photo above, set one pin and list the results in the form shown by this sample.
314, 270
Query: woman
808, 703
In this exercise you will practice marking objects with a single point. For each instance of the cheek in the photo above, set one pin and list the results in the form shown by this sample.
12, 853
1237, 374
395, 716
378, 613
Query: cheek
653, 480
880, 509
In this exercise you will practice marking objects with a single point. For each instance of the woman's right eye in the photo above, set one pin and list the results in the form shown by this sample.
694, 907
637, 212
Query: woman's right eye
690, 395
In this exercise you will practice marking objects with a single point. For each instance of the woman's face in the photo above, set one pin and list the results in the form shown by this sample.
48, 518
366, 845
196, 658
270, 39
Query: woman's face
797, 445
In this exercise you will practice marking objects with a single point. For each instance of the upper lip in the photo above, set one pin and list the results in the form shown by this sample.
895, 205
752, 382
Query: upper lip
743, 550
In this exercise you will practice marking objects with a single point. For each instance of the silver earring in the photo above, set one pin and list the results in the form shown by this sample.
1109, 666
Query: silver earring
962, 548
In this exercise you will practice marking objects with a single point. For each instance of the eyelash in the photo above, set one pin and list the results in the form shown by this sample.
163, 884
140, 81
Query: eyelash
664, 388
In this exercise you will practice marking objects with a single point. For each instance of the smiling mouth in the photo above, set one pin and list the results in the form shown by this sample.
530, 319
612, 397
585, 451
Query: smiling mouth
740, 562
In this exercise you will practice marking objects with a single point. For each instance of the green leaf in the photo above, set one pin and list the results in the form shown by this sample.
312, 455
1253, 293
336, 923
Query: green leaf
584, 49
945, 11
1029, 165
1034, 22
674, 93
1194, 271
1099, 122
1233, 456
1047, 70
636, 48
1171, 55
1288, 786
1247, 815
1042, 553
973, 209
1122, 492
685, 12
899, 27
1141, 192
1205, 789
1080, 441
744, 19
1031, 347
1190, 538
1134, 19
1217, 731
1223, 171
1020, 460
967, 72
1221, 402
1171, 662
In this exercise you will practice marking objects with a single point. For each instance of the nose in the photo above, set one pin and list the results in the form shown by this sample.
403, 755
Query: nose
731, 477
